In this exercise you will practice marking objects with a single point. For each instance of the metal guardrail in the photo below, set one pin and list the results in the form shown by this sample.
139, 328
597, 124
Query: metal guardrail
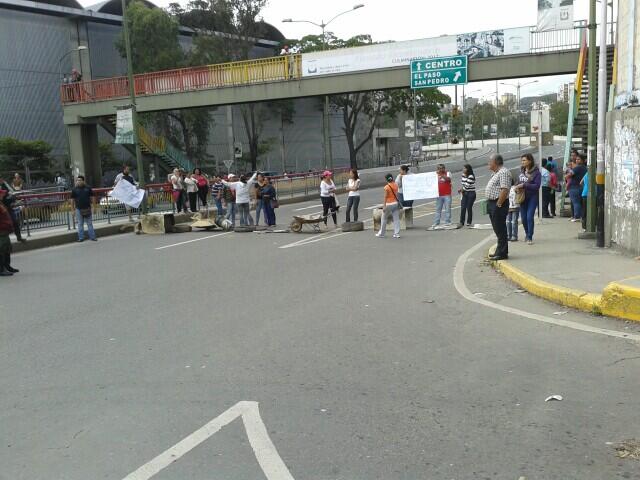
285, 67
50, 210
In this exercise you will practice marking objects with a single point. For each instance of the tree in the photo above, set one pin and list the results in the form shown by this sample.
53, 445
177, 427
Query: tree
559, 117
226, 31
371, 105
155, 46
18, 154
154, 39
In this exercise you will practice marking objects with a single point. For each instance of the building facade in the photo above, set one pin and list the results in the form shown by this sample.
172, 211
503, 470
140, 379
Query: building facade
41, 42
622, 149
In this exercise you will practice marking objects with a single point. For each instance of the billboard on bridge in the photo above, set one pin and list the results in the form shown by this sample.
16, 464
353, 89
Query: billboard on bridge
399, 54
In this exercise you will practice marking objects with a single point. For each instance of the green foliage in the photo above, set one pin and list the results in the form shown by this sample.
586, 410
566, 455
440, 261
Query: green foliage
559, 117
14, 153
376, 106
154, 39
155, 46
108, 159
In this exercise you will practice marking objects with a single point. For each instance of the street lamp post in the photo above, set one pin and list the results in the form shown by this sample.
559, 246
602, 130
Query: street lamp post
518, 86
79, 48
328, 157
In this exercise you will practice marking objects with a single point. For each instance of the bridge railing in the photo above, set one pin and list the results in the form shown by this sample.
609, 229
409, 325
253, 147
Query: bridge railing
569, 39
263, 70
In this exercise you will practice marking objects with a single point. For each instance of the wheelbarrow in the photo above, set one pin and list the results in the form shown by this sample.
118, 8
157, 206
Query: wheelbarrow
313, 220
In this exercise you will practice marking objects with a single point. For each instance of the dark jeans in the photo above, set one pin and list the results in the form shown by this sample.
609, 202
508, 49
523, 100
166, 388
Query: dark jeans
329, 203
552, 202
466, 207
546, 201
528, 215
16, 224
219, 207
576, 201
403, 202
202, 194
353, 202
269, 213
193, 201
181, 204
584, 213
498, 216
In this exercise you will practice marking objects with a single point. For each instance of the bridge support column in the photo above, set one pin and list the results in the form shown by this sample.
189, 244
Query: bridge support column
84, 153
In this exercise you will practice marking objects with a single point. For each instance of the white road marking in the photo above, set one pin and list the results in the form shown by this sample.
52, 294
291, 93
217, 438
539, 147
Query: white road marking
264, 449
195, 240
318, 238
461, 287
307, 208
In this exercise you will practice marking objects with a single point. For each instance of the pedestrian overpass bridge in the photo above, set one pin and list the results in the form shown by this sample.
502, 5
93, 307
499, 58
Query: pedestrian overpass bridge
494, 55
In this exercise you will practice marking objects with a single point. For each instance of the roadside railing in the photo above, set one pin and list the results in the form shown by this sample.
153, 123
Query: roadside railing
305, 184
285, 67
568, 39
54, 210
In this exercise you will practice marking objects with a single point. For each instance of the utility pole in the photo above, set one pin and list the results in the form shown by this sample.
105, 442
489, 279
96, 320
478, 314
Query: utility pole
328, 157
602, 111
591, 136
464, 125
132, 98
497, 120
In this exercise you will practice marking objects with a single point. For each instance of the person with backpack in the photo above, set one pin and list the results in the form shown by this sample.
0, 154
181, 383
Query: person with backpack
390, 205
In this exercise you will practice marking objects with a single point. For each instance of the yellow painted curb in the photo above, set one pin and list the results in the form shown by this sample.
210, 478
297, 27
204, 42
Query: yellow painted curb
622, 301
578, 299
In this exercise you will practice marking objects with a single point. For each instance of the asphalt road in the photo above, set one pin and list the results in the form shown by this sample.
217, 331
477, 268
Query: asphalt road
364, 358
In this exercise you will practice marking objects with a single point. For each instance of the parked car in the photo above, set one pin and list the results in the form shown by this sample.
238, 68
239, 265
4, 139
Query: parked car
111, 206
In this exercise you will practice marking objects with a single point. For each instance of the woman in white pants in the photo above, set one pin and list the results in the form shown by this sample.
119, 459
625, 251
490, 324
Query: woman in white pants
391, 205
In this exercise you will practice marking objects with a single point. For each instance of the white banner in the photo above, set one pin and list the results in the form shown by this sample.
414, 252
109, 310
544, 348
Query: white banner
535, 121
128, 194
371, 57
124, 126
420, 186
555, 15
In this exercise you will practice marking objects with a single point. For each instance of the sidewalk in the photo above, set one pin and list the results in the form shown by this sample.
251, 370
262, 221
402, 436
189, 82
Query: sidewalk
575, 273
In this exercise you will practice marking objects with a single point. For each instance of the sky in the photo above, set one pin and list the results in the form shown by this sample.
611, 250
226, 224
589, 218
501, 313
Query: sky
412, 19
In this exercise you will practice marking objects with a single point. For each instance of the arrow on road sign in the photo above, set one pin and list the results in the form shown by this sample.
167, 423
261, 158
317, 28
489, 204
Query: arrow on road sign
457, 76
419, 65
264, 449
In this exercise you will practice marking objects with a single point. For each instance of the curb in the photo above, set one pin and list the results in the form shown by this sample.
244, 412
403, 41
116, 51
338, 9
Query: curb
617, 299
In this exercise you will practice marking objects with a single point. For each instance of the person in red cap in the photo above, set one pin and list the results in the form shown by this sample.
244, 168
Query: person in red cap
328, 197
6, 228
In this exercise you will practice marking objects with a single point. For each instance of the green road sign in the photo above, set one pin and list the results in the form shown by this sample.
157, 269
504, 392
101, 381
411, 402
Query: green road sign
439, 72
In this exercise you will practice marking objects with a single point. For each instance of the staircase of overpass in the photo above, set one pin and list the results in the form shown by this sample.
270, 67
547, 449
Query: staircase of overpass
155, 146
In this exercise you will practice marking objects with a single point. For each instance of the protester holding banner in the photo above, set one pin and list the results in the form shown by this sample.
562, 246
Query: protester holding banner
125, 174
404, 170
444, 199
390, 205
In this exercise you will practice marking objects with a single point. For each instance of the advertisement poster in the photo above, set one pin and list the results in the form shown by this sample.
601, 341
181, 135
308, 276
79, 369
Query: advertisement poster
555, 15
372, 57
124, 126
494, 129
481, 44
